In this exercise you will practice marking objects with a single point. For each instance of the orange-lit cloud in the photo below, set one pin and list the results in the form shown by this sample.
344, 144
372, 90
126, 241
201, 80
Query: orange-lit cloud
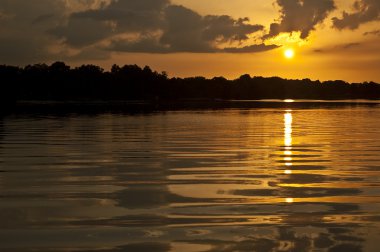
364, 11
301, 16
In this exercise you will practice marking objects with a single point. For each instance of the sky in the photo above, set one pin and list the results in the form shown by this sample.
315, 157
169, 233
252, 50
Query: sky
331, 39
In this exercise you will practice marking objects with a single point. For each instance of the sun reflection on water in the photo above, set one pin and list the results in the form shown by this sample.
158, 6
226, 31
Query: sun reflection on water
288, 118
288, 142
288, 172
289, 100
289, 200
288, 153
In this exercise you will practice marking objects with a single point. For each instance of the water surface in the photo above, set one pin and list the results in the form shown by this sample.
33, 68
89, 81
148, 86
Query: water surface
265, 179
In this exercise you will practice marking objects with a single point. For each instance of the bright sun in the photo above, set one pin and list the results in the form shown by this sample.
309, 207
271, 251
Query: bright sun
289, 53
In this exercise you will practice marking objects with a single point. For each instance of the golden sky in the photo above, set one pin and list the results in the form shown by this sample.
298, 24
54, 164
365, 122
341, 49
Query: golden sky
331, 39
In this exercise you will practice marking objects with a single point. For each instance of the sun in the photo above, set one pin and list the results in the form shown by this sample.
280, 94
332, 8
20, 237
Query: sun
289, 53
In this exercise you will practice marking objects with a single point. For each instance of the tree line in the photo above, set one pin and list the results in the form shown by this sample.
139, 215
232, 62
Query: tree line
60, 82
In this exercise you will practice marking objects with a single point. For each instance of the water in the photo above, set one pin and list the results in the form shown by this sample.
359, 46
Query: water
227, 180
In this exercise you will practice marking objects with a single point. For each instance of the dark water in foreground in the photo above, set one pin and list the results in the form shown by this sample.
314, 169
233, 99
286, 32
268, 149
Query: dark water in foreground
229, 180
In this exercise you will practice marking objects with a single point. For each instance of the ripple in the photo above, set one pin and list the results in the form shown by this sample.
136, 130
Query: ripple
228, 180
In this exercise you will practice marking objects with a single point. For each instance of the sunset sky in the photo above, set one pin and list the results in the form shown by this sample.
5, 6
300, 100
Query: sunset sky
331, 39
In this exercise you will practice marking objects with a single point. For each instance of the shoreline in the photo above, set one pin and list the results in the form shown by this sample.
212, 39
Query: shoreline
149, 106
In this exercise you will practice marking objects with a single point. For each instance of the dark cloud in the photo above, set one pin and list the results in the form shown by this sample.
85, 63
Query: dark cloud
18, 49
376, 33
128, 15
226, 28
81, 32
43, 18
350, 45
186, 31
251, 49
364, 11
341, 47
90, 26
154, 26
301, 16
22, 29
183, 30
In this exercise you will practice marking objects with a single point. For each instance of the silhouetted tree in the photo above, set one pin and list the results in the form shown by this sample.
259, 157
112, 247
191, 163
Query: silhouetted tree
131, 82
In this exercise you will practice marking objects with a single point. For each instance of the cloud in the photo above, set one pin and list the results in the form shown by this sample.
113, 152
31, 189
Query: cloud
151, 45
87, 27
251, 48
345, 47
351, 45
227, 29
183, 30
48, 30
128, 15
364, 11
16, 49
376, 33
154, 26
300, 16
43, 18
82, 32
22, 29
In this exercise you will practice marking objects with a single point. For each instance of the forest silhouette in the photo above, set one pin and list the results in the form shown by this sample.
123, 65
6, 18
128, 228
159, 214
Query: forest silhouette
87, 83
